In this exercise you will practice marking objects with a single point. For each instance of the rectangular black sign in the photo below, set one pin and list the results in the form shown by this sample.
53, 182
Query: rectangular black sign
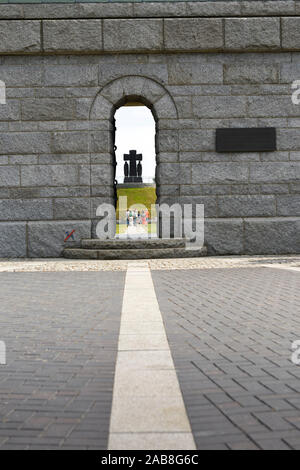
254, 139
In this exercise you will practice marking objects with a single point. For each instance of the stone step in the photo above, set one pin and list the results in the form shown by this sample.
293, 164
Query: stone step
129, 254
137, 244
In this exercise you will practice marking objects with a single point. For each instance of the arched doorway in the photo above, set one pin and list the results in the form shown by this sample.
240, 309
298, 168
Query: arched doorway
113, 96
135, 153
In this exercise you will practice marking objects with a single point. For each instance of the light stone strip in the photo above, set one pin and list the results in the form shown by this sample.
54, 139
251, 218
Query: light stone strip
282, 266
148, 412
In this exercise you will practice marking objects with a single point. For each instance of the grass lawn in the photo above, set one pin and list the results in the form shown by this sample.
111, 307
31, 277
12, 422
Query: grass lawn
136, 196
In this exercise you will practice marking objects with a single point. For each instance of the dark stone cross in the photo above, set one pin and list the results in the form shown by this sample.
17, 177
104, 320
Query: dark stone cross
133, 171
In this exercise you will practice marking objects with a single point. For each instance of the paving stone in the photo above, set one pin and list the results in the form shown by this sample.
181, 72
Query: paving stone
225, 314
64, 352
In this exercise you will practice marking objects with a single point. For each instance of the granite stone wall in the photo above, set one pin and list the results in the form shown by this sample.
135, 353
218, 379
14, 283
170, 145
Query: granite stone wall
199, 66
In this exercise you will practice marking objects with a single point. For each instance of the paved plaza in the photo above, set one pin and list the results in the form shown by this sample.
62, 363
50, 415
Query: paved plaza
159, 354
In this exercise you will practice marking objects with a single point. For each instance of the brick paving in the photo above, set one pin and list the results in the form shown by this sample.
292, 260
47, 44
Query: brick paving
230, 333
61, 332
230, 324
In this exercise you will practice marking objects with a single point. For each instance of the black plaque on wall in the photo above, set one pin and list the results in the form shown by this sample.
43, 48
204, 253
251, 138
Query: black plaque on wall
253, 139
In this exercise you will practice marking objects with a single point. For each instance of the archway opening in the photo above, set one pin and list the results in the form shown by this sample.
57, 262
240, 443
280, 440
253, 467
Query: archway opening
135, 130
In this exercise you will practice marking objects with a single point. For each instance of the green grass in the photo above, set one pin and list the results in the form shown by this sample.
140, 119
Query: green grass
145, 196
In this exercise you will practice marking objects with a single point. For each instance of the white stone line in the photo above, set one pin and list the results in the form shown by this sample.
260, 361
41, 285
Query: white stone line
148, 412
281, 266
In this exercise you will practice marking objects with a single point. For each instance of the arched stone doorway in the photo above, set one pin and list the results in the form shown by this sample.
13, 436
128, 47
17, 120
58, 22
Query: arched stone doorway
102, 132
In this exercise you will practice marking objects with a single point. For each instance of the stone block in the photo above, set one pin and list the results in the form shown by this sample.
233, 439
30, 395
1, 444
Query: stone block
11, 111
23, 159
209, 203
274, 156
253, 34
101, 142
244, 157
167, 141
275, 172
295, 156
289, 73
224, 236
290, 33
71, 75
190, 156
288, 205
276, 8
168, 190
209, 8
72, 35
9, 176
274, 188
11, 12
12, 240
114, 71
49, 175
102, 109
288, 139
104, 10
20, 36
152, 10
246, 206
49, 10
165, 108
84, 174
167, 157
184, 107
133, 35
152, 91
65, 142
71, 208
174, 173
102, 191
101, 174
294, 188
262, 106
48, 109
190, 73
26, 209
25, 193
224, 173
272, 235
46, 239
25, 142
252, 74
219, 106
197, 34
3, 160
196, 140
